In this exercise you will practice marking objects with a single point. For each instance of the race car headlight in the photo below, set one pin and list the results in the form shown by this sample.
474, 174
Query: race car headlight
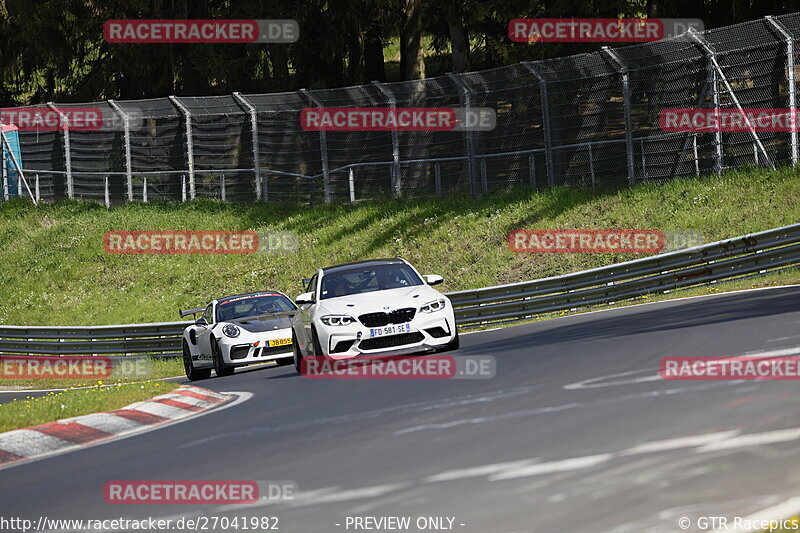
337, 320
231, 331
432, 307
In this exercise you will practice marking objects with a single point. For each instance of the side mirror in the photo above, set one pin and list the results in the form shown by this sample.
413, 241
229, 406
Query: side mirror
201, 322
433, 279
305, 298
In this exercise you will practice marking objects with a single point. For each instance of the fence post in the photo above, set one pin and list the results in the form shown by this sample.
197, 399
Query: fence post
5, 171
351, 182
790, 79
466, 98
107, 192
144, 189
622, 70
126, 124
189, 143
696, 156
548, 144
591, 163
36, 186
254, 131
222, 191
532, 171
323, 149
67, 153
437, 177
712, 58
395, 141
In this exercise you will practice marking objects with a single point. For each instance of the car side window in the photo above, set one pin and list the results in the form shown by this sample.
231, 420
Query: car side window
312, 287
208, 314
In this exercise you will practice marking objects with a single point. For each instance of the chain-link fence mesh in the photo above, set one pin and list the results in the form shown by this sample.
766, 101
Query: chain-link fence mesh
587, 120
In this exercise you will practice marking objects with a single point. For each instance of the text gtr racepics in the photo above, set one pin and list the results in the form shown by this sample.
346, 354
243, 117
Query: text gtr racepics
381, 306
238, 330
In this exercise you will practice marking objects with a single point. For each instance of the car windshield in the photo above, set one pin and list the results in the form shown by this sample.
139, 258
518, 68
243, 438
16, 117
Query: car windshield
358, 280
251, 305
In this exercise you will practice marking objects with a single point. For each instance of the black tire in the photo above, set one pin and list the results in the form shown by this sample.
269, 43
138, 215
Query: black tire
452, 345
315, 343
297, 355
192, 373
219, 365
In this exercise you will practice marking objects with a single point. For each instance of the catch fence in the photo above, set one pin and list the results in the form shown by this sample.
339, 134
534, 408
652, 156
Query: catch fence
586, 120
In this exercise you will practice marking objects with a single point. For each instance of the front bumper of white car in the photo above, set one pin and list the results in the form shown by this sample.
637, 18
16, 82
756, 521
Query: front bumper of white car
251, 347
424, 332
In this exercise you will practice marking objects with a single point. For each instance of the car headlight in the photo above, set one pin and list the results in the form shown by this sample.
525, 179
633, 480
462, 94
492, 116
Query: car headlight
337, 320
231, 331
432, 307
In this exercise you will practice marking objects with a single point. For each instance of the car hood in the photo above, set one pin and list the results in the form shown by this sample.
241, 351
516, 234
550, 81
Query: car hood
373, 302
266, 322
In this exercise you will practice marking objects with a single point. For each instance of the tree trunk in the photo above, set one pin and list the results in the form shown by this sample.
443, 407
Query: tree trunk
412, 57
355, 56
459, 37
373, 55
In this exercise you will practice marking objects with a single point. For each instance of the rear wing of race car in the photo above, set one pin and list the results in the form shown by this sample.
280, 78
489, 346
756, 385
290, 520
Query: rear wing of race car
188, 312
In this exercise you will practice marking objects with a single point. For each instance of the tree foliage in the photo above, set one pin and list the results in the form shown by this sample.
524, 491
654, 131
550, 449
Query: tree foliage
54, 49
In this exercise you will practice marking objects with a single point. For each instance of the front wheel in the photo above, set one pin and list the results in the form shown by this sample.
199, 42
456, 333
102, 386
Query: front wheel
219, 365
297, 354
193, 373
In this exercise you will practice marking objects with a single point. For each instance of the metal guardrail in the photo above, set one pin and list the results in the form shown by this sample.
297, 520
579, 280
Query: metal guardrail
162, 339
753, 253
730, 258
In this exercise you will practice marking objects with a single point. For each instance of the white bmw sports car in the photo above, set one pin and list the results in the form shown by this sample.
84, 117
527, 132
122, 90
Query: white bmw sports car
238, 330
380, 307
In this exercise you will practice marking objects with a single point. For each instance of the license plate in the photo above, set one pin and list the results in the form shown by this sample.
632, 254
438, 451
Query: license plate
389, 330
280, 342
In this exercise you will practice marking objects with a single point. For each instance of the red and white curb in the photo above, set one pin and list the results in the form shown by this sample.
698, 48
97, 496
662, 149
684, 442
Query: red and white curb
25, 444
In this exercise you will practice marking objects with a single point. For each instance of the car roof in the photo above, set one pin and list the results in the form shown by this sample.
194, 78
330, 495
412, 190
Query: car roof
365, 263
248, 294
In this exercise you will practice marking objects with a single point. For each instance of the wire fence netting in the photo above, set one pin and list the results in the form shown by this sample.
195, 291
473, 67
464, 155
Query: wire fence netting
587, 120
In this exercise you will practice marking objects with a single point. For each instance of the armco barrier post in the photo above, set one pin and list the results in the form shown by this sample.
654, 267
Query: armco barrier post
395, 141
622, 70
126, 124
67, 151
466, 100
189, 144
548, 143
790, 78
254, 136
323, 149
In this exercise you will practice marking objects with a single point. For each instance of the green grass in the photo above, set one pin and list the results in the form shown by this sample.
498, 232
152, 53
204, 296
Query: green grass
55, 272
59, 405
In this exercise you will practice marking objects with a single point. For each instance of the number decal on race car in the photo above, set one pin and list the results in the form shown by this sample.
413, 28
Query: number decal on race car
390, 330
280, 342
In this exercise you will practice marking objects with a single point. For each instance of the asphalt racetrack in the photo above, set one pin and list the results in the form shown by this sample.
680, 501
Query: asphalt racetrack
575, 433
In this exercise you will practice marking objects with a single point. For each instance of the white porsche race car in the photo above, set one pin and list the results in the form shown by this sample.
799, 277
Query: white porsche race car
238, 330
376, 307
